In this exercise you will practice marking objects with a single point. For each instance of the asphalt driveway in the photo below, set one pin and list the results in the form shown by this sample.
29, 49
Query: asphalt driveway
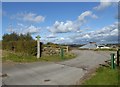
50, 73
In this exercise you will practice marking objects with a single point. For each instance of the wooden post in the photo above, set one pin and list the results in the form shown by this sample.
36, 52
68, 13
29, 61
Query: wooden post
112, 60
38, 46
67, 49
62, 53
118, 54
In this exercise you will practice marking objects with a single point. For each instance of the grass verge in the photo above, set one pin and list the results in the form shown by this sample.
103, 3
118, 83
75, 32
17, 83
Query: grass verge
104, 76
20, 57
110, 49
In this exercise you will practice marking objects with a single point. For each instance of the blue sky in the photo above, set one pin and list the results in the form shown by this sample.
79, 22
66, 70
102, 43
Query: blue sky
62, 22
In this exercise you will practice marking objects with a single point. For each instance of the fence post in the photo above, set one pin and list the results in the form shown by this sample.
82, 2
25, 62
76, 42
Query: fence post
62, 53
118, 54
67, 49
112, 60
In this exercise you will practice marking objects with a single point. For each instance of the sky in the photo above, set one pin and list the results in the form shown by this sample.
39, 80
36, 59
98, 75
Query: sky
62, 22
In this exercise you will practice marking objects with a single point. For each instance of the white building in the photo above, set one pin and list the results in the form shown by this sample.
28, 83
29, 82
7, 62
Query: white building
93, 45
102, 47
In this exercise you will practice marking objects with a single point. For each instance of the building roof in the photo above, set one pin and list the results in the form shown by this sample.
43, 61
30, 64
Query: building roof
89, 46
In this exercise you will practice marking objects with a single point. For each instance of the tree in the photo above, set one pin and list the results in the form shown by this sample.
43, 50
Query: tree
10, 37
15, 37
19, 43
28, 37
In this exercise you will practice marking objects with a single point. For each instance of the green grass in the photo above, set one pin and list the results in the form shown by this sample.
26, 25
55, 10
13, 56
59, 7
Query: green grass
110, 49
104, 76
20, 57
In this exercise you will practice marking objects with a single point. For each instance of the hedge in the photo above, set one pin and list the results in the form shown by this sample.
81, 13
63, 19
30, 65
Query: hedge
28, 47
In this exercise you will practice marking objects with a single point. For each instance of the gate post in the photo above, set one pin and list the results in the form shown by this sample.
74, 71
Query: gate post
118, 55
67, 49
38, 46
112, 60
62, 53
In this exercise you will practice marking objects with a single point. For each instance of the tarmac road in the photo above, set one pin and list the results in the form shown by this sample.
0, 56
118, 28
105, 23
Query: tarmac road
49, 73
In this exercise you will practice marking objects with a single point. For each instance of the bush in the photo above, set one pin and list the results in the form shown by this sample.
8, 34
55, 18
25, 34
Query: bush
28, 47
19, 43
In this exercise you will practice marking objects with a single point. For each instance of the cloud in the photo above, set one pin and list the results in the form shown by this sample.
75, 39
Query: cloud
86, 14
32, 30
19, 24
83, 15
86, 36
103, 4
94, 16
23, 29
79, 31
108, 34
10, 29
61, 27
63, 40
51, 36
29, 17
69, 26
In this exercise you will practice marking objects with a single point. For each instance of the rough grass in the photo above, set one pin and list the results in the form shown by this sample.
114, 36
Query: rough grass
104, 76
20, 57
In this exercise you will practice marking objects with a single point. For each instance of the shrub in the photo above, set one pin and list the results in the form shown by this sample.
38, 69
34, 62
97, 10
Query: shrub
19, 43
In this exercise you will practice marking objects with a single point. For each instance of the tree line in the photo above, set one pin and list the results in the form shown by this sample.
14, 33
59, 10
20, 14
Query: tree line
15, 37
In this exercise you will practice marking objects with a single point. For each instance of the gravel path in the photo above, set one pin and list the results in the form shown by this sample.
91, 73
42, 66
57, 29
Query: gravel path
60, 73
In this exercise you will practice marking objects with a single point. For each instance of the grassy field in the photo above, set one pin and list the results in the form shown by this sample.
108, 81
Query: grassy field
104, 76
20, 57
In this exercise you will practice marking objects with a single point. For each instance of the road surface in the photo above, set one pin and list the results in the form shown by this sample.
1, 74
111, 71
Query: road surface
50, 73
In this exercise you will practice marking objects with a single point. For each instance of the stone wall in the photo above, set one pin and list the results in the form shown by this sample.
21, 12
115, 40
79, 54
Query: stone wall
49, 50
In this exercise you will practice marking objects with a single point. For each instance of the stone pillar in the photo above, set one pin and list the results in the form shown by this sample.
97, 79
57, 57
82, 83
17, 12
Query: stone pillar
67, 49
38, 46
